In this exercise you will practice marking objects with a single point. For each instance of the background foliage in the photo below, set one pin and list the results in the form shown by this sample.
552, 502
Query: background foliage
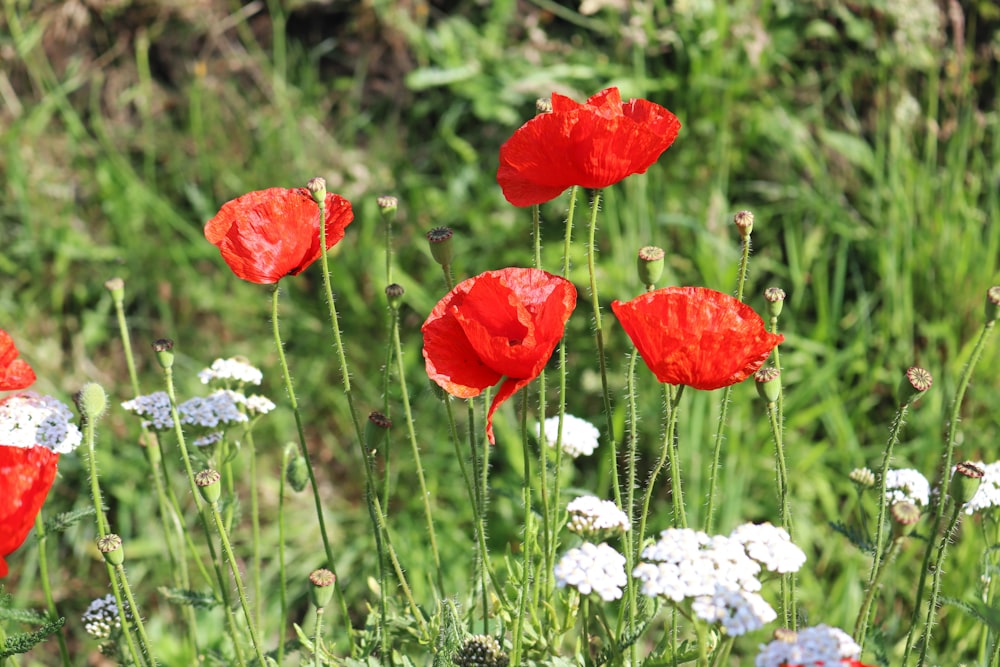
865, 137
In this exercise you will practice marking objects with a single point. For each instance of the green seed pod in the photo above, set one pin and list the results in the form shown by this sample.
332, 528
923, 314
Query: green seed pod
297, 473
111, 546
768, 381
649, 263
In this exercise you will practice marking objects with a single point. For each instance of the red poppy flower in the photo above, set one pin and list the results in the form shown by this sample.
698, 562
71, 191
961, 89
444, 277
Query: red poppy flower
269, 234
593, 145
696, 336
26, 473
14, 373
499, 325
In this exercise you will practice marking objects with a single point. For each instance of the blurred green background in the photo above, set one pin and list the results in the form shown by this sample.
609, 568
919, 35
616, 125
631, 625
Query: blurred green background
864, 136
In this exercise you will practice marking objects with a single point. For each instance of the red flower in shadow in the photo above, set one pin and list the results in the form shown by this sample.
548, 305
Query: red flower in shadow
696, 336
269, 234
499, 325
14, 373
593, 145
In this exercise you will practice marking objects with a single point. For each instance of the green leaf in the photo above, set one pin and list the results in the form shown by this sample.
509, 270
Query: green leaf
23, 642
188, 598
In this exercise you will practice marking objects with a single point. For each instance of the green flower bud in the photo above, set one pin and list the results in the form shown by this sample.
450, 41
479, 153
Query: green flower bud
768, 381
913, 385
394, 295
440, 240
387, 205
650, 264
322, 587
863, 477
297, 473
116, 286
208, 483
904, 516
744, 223
164, 349
111, 546
965, 482
317, 188
91, 400
775, 297
376, 429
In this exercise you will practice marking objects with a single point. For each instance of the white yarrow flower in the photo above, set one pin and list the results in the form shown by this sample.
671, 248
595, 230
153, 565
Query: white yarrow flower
593, 568
821, 644
29, 420
101, 617
153, 408
988, 494
258, 405
220, 408
589, 515
906, 485
579, 436
229, 370
738, 611
770, 546
686, 563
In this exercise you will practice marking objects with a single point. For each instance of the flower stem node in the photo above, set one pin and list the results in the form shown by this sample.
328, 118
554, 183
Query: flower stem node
904, 516
744, 223
116, 286
993, 303
92, 400
768, 381
317, 188
322, 581
376, 428
394, 295
914, 383
208, 483
164, 349
111, 546
775, 297
650, 265
965, 482
480, 651
440, 240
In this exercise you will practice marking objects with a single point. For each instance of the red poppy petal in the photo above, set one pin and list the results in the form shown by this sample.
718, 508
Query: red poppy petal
14, 373
26, 474
696, 336
507, 389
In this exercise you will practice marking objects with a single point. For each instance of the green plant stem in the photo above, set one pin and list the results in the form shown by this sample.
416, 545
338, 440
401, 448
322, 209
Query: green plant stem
50, 601
408, 415
240, 589
861, 625
788, 597
866, 604
548, 536
936, 582
588, 661
282, 574
524, 593
136, 616
255, 526
123, 619
720, 430
701, 634
944, 475
671, 398
318, 638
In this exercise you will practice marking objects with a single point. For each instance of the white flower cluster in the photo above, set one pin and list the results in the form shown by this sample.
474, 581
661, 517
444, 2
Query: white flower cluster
101, 617
719, 573
217, 410
593, 568
907, 485
27, 420
590, 516
153, 408
819, 645
988, 493
231, 370
579, 436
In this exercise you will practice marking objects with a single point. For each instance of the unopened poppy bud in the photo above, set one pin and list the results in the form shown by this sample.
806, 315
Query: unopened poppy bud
993, 303
297, 473
208, 483
904, 516
394, 294
91, 400
863, 477
116, 286
768, 381
164, 349
650, 264
965, 482
744, 223
543, 105
111, 546
775, 297
387, 204
317, 188
376, 428
322, 581
440, 240
915, 382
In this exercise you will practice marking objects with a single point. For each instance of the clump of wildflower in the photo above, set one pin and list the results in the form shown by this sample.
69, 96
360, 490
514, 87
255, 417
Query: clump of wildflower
220, 408
480, 651
906, 485
593, 568
28, 419
256, 404
101, 617
579, 436
593, 518
809, 647
229, 371
737, 610
987, 495
153, 408
771, 546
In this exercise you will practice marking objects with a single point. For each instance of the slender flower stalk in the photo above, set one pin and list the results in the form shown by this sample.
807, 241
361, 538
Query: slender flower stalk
671, 398
43, 574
